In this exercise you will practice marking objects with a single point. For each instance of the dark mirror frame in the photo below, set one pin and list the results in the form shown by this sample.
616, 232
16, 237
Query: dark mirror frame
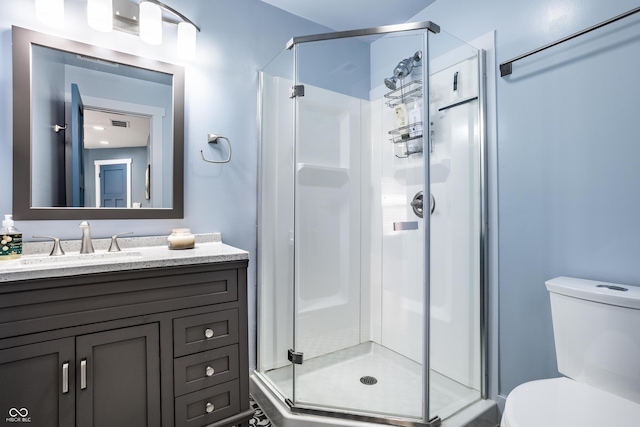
22, 40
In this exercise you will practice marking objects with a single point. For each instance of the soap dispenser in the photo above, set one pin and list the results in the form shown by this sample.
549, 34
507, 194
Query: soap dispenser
11, 243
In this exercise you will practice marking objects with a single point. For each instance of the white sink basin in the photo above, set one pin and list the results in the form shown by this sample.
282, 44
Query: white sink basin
80, 258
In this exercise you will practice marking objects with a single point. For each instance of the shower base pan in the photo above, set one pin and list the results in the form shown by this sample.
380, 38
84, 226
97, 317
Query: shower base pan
369, 379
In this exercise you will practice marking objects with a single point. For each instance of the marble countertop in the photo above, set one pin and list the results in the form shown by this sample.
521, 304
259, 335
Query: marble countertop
137, 253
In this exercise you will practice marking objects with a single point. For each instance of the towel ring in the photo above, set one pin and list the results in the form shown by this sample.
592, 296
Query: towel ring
213, 139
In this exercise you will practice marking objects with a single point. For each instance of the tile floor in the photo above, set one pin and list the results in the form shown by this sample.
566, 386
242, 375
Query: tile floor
259, 418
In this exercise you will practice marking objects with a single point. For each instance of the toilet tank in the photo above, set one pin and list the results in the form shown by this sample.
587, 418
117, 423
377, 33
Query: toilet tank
596, 326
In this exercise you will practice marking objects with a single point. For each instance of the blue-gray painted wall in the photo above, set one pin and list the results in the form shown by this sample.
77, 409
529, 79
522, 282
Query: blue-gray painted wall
567, 143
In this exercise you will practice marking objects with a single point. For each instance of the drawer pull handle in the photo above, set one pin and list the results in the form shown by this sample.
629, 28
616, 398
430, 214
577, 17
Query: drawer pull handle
210, 371
208, 333
209, 408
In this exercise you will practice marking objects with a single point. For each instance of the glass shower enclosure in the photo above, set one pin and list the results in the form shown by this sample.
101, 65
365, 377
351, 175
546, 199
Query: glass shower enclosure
370, 234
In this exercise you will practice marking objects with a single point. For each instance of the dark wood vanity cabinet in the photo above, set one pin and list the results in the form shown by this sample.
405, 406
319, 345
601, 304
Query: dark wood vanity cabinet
31, 383
150, 347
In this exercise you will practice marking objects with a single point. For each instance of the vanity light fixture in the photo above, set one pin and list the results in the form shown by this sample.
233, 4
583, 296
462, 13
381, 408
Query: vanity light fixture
151, 27
50, 12
144, 19
187, 40
99, 15
150, 22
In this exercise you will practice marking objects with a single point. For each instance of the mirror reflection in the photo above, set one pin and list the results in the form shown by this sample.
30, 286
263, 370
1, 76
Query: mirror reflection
116, 156
97, 133
115, 150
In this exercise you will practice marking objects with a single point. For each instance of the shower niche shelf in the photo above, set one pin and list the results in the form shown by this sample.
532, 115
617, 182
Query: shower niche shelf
322, 176
404, 93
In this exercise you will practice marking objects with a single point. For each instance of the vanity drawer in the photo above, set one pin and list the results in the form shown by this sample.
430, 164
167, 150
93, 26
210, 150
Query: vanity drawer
207, 406
202, 370
203, 332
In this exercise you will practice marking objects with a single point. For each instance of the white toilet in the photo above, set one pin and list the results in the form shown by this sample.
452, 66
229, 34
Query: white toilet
596, 326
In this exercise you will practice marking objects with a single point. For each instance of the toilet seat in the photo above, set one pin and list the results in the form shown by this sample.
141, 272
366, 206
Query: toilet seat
562, 402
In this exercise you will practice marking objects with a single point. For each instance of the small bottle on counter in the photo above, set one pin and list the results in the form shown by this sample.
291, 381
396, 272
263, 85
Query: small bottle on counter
181, 238
11, 242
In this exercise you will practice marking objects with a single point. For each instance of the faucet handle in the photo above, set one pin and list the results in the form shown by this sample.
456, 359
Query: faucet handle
114, 241
57, 249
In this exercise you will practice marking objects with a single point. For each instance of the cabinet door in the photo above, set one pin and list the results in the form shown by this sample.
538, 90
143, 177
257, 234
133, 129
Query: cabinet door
37, 384
118, 381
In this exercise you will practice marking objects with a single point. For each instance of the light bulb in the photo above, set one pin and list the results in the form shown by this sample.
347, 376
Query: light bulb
50, 12
186, 40
150, 23
100, 14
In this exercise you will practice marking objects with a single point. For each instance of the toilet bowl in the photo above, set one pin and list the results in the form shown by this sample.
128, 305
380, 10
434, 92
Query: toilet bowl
595, 326
562, 402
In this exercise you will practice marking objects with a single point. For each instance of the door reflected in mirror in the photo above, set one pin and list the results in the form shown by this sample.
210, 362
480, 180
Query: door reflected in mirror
117, 149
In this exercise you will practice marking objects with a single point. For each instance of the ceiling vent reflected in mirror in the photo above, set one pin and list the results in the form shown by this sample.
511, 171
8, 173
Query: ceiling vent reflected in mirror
119, 123
119, 129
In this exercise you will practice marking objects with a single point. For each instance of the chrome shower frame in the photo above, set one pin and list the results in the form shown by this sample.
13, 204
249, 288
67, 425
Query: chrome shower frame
424, 25
260, 382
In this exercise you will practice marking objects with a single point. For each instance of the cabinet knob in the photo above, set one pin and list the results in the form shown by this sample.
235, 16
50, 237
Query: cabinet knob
210, 371
209, 408
208, 333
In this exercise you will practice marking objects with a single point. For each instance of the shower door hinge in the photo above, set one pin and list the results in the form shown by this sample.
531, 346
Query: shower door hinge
295, 357
297, 90
435, 422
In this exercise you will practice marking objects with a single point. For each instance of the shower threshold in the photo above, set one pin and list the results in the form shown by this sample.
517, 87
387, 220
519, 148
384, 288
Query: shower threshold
332, 383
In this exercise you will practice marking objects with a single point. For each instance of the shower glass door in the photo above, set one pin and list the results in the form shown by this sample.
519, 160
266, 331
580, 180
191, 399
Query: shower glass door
456, 247
365, 308
359, 321
275, 224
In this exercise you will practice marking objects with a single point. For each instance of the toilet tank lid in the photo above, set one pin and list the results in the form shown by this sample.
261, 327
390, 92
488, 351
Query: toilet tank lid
592, 290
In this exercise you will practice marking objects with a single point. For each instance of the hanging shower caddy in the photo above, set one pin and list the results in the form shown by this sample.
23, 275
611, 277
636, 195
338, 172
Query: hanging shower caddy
409, 92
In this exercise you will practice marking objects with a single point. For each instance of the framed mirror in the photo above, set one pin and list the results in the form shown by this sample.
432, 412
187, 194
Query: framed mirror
97, 134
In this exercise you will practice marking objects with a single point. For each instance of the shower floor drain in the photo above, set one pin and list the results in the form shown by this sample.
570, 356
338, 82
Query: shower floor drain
368, 380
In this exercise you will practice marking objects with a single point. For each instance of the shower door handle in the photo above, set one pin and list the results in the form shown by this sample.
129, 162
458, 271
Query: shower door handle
405, 225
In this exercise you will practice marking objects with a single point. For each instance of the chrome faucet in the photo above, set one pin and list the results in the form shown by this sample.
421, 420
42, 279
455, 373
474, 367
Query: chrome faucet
86, 247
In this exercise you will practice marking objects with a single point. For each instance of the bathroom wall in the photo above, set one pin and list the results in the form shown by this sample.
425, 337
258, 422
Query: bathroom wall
568, 193
238, 38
